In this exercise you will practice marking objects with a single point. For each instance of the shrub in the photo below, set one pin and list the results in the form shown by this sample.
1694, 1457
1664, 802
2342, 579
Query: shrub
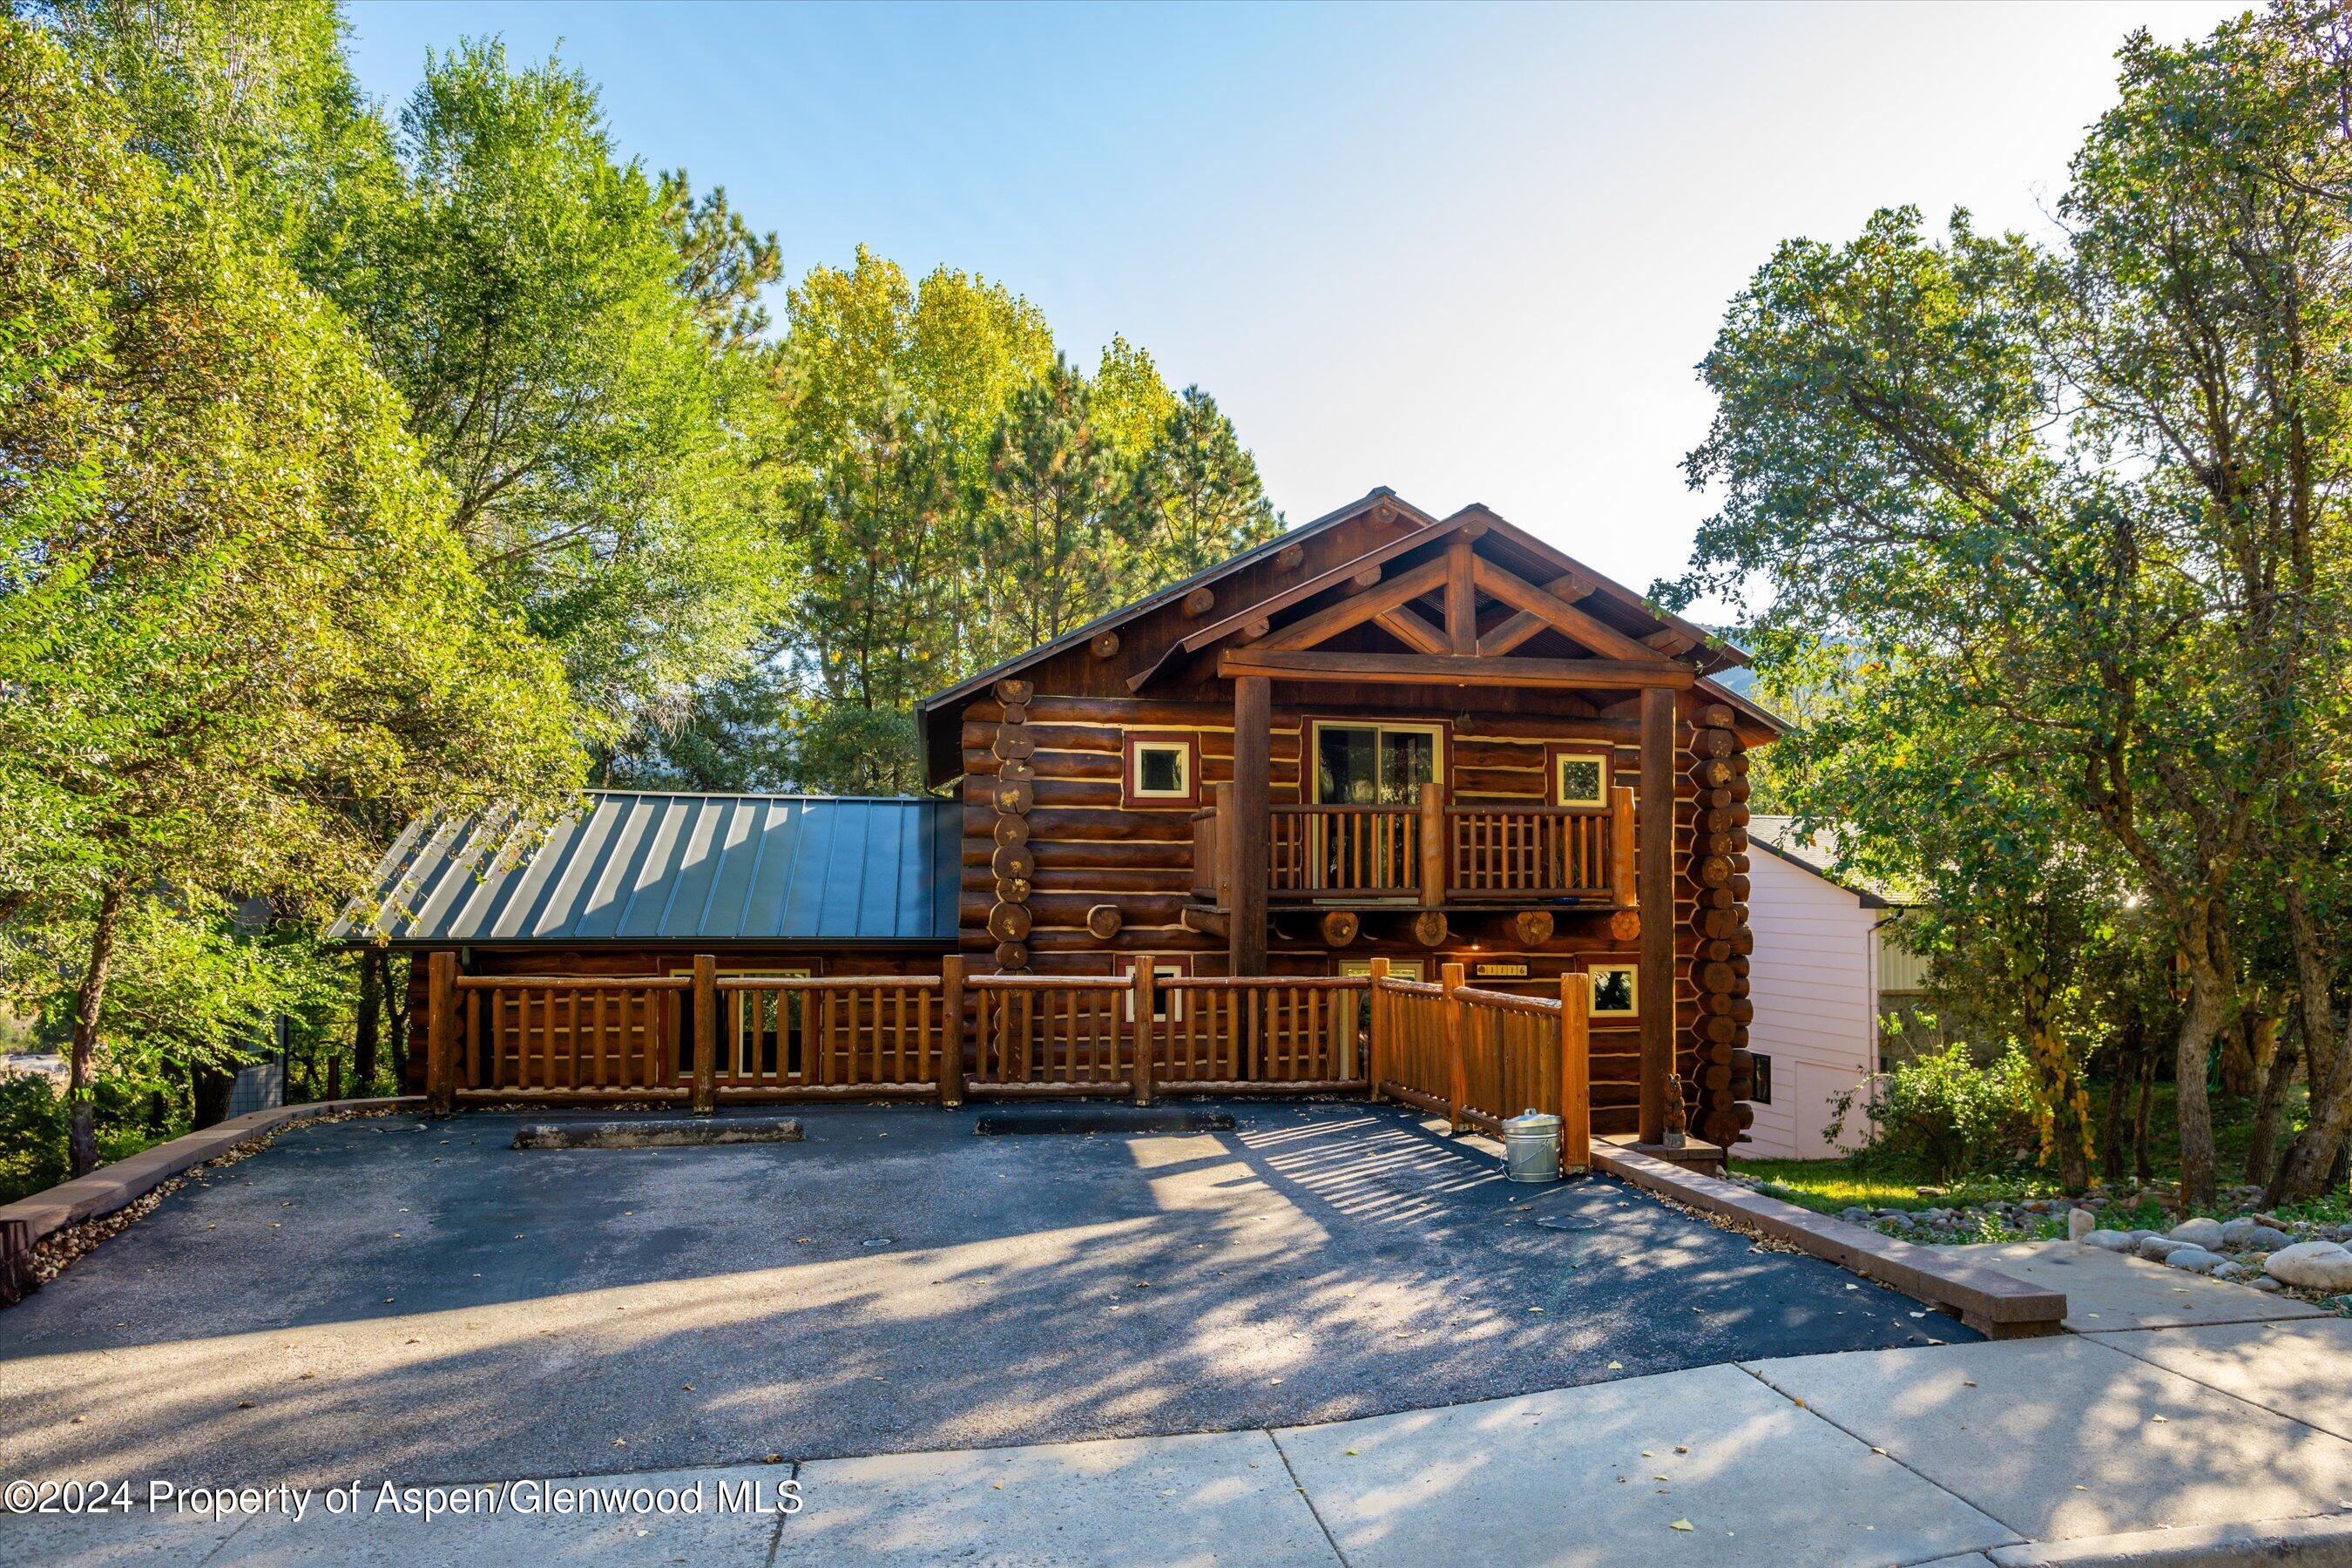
1944, 1115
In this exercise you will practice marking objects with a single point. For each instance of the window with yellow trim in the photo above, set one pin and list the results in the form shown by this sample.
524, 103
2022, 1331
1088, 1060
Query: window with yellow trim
1580, 778
1613, 996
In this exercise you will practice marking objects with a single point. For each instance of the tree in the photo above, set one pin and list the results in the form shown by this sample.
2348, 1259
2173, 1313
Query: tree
1196, 488
236, 625
521, 292
2104, 480
1131, 405
725, 265
1056, 537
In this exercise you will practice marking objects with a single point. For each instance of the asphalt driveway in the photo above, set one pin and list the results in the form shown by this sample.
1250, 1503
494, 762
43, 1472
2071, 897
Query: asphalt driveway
415, 1301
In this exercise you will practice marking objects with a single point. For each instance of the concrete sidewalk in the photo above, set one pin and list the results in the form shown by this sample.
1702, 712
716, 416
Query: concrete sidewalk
2224, 1435
2208, 1442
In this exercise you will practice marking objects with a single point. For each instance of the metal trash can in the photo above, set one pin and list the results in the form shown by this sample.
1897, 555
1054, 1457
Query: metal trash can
1531, 1147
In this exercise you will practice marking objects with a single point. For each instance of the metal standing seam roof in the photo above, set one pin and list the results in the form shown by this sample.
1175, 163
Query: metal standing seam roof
672, 868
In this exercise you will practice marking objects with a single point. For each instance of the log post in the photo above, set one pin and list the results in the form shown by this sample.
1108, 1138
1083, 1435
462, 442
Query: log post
1432, 844
1653, 978
1575, 1074
1252, 822
1221, 836
441, 1032
952, 1030
1457, 1068
1621, 848
1145, 1034
705, 1034
1377, 1047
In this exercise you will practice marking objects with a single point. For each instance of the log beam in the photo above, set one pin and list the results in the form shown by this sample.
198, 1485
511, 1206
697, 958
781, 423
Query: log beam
1250, 824
1451, 670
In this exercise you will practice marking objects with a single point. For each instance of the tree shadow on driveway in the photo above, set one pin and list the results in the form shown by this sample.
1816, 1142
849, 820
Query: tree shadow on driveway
366, 1298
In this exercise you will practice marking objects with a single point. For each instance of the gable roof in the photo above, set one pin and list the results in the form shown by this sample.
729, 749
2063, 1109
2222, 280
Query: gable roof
633, 869
1777, 837
1709, 652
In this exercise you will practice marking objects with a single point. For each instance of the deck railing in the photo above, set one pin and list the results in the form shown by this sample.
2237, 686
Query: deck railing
1479, 1058
1429, 854
1475, 1057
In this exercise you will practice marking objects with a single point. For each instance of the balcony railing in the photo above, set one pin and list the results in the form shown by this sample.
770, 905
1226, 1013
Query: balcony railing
1429, 854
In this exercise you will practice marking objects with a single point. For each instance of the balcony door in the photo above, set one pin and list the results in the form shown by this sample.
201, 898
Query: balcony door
1372, 765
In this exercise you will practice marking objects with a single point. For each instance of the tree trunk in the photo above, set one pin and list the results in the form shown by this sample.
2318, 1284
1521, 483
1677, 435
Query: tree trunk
209, 1088
82, 1136
2069, 1111
370, 1020
2238, 1074
2278, 1073
396, 982
2143, 1171
2201, 1021
2130, 1046
2311, 1158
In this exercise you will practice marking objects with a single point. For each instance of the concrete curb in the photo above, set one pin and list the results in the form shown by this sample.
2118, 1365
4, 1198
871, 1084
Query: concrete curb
1997, 1306
2325, 1540
110, 1188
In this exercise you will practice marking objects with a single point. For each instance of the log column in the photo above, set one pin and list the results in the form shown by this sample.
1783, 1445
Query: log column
1252, 821
1722, 1067
1013, 864
1654, 979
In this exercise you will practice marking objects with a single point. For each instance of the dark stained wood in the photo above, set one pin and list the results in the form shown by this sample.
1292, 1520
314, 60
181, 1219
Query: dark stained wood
1199, 603
1561, 615
1358, 608
1455, 670
1654, 983
1253, 701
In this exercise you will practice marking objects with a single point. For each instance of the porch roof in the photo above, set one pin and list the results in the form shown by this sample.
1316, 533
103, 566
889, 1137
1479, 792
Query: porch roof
636, 869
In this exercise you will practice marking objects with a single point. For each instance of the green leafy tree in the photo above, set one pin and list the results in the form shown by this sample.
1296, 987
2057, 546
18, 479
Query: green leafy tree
724, 264
1197, 492
521, 292
2103, 483
1056, 536
236, 626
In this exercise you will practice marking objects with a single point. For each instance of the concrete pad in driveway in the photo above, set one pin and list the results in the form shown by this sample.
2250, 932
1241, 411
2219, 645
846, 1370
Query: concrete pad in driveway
1574, 1477
2302, 1370
1207, 1497
2069, 1437
2106, 1291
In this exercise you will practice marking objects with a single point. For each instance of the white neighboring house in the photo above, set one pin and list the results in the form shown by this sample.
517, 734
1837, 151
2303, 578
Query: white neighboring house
1814, 981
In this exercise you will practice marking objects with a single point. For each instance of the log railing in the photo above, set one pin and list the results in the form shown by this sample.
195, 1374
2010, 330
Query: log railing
842, 1038
1474, 1056
1051, 1034
1213, 1036
1478, 1058
1582, 852
1428, 854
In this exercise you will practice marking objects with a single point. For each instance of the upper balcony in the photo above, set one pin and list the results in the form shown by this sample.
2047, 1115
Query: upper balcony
1429, 855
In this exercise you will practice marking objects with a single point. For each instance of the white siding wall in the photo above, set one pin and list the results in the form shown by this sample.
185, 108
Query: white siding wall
1814, 983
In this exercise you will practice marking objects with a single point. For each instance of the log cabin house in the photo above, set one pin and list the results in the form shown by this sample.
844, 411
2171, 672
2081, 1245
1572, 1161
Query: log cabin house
1383, 739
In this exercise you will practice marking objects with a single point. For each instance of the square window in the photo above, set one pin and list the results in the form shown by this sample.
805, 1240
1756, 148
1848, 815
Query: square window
1612, 990
1580, 778
1165, 1004
1160, 770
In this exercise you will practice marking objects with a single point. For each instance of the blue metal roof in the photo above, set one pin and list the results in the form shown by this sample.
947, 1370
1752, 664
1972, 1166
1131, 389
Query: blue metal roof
672, 868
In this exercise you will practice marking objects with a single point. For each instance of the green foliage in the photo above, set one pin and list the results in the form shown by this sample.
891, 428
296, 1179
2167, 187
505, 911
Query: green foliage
1943, 1116
2059, 537
521, 292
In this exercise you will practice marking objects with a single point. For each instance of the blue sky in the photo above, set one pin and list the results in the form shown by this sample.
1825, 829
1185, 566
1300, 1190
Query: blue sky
1470, 252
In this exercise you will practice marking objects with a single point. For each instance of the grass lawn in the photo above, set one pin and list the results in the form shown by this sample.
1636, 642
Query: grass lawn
1876, 1182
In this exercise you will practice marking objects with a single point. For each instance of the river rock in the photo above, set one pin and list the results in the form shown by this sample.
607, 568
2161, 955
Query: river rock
2266, 1239
2111, 1240
2196, 1259
2080, 1223
2312, 1266
2199, 1232
2155, 1247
